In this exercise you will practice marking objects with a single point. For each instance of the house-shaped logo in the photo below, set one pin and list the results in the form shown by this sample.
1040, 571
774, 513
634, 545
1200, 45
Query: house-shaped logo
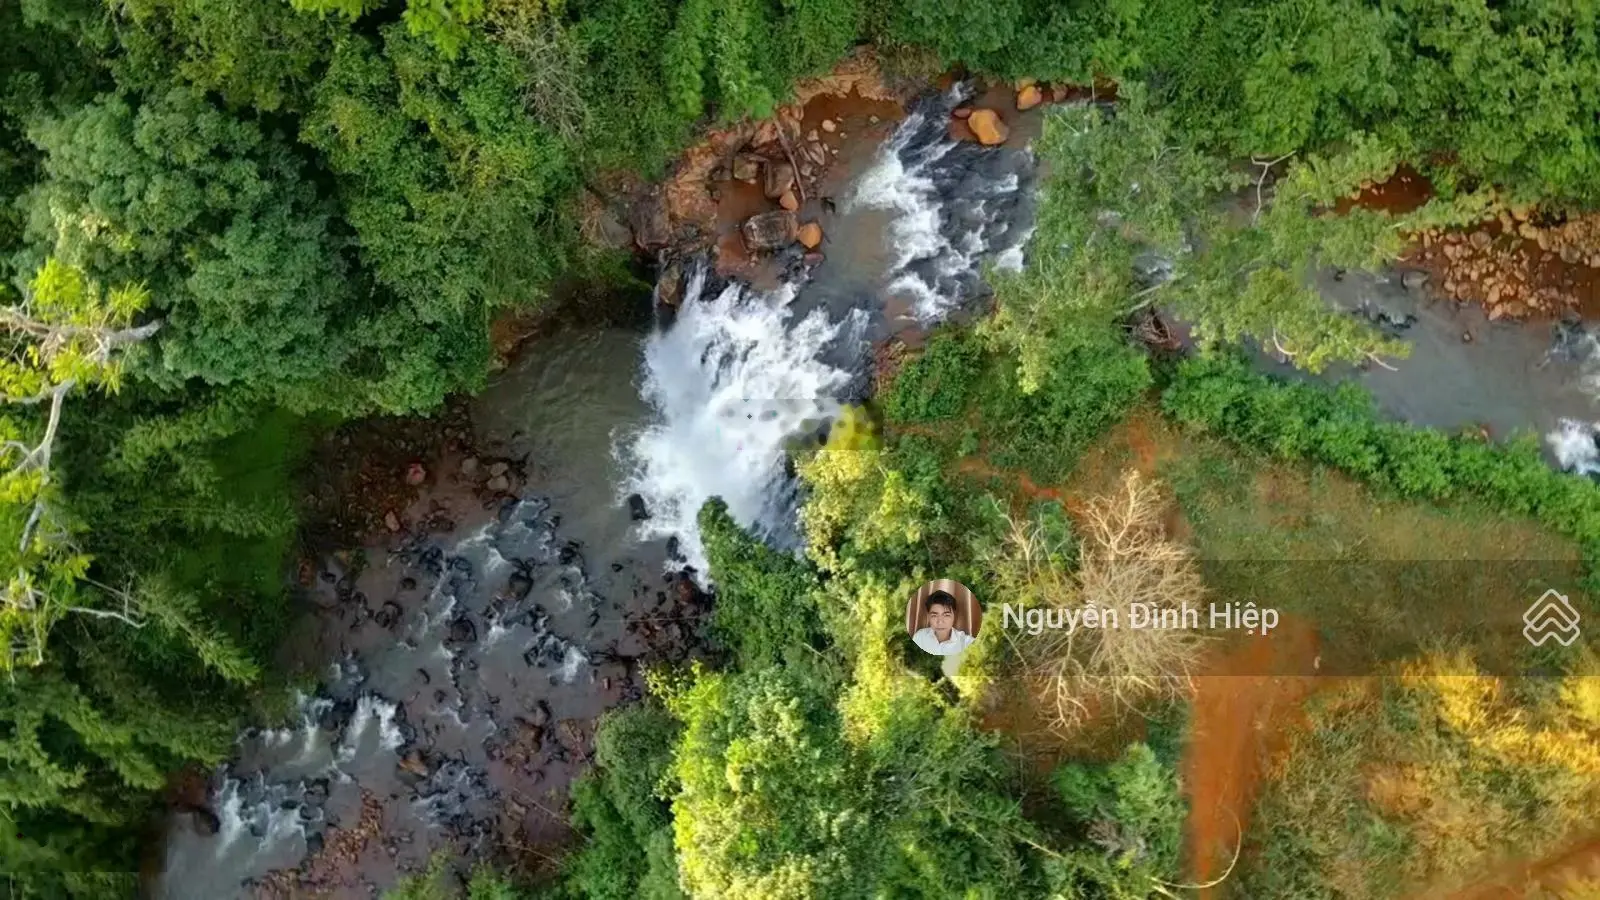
1551, 617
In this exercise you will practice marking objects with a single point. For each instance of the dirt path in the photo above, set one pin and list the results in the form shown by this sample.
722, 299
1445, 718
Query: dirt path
1244, 707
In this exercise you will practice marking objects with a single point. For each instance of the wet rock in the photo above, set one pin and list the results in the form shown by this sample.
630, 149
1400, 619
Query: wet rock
830, 126
812, 136
519, 586
810, 235
205, 821
746, 168
408, 583
675, 550
463, 631
498, 483
780, 178
469, 466
388, 615
499, 468
413, 763
669, 285
652, 229
1414, 280
416, 474
637, 511
391, 521
1029, 97
789, 201
962, 112
768, 231
987, 127
540, 716
812, 259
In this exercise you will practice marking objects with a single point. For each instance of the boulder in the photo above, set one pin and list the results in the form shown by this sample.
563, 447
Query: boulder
829, 126
789, 201
810, 235
669, 286
637, 511
652, 229
768, 231
499, 483
780, 178
1414, 280
469, 466
746, 168
1029, 97
987, 127
391, 521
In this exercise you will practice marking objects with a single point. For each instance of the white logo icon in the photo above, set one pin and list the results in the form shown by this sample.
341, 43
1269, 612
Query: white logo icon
1551, 617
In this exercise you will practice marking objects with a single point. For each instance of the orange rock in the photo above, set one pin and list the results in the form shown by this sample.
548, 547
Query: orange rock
1029, 97
789, 201
986, 125
810, 235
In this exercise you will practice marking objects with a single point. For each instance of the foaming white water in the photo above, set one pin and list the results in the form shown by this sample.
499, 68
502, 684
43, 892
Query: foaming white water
1574, 446
931, 247
373, 715
730, 382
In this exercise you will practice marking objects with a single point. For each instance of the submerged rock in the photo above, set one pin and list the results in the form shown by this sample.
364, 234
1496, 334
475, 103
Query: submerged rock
768, 231
636, 508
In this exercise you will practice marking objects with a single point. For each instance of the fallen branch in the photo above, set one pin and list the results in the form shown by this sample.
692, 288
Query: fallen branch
783, 139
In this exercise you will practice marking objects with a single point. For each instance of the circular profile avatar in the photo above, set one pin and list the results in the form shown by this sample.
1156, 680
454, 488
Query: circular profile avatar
943, 617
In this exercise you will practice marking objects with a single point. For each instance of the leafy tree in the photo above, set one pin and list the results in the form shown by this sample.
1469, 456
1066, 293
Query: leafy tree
214, 216
620, 809
455, 196
1128, 815
766, 607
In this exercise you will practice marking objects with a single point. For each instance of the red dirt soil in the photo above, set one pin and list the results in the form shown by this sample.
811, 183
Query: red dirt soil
1244, 708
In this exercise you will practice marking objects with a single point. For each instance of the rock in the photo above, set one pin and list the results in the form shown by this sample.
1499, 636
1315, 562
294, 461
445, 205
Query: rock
789, 201
872, 120
1494, 295
391, 521
768, 231
669, 285
746, 168
986, 125
1466, 337
1480, 239
829, 126
1029, 97
499, 468
962, 112
499, 483
416, 474
1061, 93
637, 511
1569, 254
652, 229
812, 259
1025, 83
812, 137
463, 631
205, 821
413, 763
780, 178
810, 235
816, 153
469, 466
1414, 280
387, 615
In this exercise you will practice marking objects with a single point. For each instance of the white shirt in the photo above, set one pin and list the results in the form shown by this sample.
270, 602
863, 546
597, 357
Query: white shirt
958, 641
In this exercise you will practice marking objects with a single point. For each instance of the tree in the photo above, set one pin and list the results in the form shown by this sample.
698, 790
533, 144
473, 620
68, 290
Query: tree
215, 217
66, 334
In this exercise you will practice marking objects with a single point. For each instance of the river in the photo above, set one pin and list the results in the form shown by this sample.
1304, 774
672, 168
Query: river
468, 662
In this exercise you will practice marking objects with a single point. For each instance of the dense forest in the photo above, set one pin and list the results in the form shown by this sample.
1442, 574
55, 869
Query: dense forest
229, 225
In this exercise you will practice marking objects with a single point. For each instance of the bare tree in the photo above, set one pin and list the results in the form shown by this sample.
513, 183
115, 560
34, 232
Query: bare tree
1127, 566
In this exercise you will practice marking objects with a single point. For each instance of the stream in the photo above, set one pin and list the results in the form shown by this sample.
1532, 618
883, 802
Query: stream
468, 662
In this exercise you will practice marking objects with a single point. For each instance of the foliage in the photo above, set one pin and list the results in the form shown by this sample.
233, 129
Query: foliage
215, 217
619, 808
1339, 428
859, 505
1129, 814
1425, 778
447, 184
766, 608
437, 883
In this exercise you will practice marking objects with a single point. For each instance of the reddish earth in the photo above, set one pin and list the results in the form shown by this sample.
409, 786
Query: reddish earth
1522, 262
1244, 708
